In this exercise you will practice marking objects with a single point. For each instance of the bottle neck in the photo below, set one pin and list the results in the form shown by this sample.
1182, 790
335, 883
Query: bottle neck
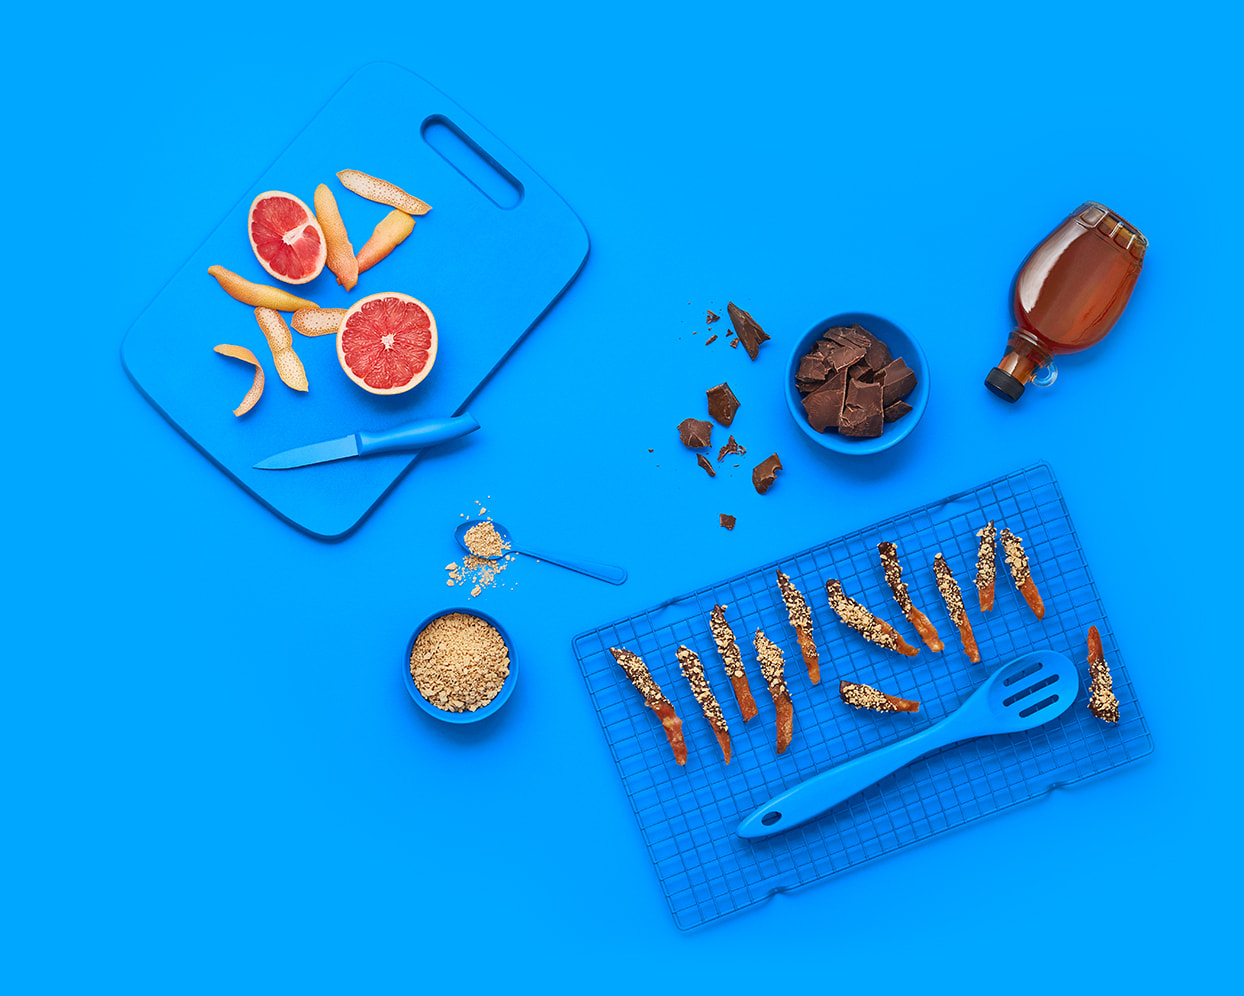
1024, 356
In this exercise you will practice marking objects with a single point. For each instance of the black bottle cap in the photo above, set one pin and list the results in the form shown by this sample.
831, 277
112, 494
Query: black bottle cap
1004, 385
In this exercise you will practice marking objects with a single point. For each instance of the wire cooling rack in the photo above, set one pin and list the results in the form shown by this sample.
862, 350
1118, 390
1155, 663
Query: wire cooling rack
688, 815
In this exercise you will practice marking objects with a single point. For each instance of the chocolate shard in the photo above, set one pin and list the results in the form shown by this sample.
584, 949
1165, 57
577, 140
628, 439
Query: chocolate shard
894, 412
765, 473
878, 353
824, 405
731, 447
727, 521
694, 433
722, 404
749, 331
844, 357
711, 317
898, 381
702, 460
862, 414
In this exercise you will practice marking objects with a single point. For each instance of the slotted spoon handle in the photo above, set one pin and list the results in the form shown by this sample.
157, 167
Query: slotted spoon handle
810, 798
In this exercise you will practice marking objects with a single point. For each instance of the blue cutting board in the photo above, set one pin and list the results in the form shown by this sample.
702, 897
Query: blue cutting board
494, 254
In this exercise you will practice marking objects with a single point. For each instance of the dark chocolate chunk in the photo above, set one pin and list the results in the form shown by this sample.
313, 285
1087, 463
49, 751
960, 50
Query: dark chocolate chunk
844, 357
807, 386
749, 332
694, 433
722, 404
857, 335
837, 335
765, 473
812, 367
824, 405
898, 382
727, 521
860, 371
862, 415
702, 460
894, 412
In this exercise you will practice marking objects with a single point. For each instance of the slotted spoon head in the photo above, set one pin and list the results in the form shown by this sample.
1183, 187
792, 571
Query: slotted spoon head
1031, 690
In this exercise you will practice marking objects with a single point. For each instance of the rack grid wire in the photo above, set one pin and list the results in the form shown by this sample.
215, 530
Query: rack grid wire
688, 815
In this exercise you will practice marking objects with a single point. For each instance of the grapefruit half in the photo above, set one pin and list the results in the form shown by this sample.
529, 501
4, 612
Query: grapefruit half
387, 343
286, 238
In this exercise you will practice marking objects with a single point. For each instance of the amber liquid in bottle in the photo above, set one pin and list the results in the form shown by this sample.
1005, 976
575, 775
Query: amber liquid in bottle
1068, 294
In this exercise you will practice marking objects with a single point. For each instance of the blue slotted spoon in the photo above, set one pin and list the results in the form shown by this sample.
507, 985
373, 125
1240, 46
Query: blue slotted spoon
1029, 691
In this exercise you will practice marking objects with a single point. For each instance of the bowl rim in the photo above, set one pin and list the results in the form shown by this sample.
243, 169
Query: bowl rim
850, 445
444, 715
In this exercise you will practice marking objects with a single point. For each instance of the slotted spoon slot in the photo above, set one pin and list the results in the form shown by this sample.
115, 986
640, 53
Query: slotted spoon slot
1032, 668
1030, 690
1025, 713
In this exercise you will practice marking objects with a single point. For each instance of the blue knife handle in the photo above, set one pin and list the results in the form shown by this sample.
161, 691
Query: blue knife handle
415, 435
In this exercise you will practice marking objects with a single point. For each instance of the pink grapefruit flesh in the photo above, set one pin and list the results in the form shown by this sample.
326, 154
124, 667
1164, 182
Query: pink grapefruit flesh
286, 238
387, 343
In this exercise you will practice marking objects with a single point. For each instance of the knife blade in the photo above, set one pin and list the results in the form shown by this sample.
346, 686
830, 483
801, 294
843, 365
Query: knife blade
407, 437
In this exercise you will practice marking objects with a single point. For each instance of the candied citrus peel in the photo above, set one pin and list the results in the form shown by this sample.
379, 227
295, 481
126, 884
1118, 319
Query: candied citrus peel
252, 396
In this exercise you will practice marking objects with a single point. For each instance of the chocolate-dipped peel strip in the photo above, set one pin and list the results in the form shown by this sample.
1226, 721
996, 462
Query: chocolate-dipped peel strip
867, 697
654, 699
693, 671
1017, 563
888, 553
1102, 703
953, 598
732, 659
871, 628
772, 665
986, 565
801, 621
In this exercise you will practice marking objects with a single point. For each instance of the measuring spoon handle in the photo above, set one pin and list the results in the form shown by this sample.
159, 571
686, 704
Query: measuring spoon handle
602, 572
812, 797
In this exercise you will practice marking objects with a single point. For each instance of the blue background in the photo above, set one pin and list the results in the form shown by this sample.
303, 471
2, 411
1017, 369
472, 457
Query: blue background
213, 778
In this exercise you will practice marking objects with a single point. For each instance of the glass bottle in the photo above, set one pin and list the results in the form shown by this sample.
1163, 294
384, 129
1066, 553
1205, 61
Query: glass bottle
1069, 293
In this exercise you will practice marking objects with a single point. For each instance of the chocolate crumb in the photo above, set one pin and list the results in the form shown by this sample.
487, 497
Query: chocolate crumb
727, 521
712, 318
694, 433
702, 460
729, 333
722, 404
734, 344
765, 473
748, 329
710, 340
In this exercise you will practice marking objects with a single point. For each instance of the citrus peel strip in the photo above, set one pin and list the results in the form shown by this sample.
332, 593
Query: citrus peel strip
280, 341
387, 236
340, 258
257, 295
242, 353
382, 192
317, 321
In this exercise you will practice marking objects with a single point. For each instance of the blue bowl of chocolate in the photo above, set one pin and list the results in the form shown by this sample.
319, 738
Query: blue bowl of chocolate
857, 383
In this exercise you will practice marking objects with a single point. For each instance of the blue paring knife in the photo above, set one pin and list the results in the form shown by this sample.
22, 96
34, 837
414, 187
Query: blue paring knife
407, 437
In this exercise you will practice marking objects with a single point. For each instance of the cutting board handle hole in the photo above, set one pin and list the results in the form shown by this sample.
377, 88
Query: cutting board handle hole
465, 155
